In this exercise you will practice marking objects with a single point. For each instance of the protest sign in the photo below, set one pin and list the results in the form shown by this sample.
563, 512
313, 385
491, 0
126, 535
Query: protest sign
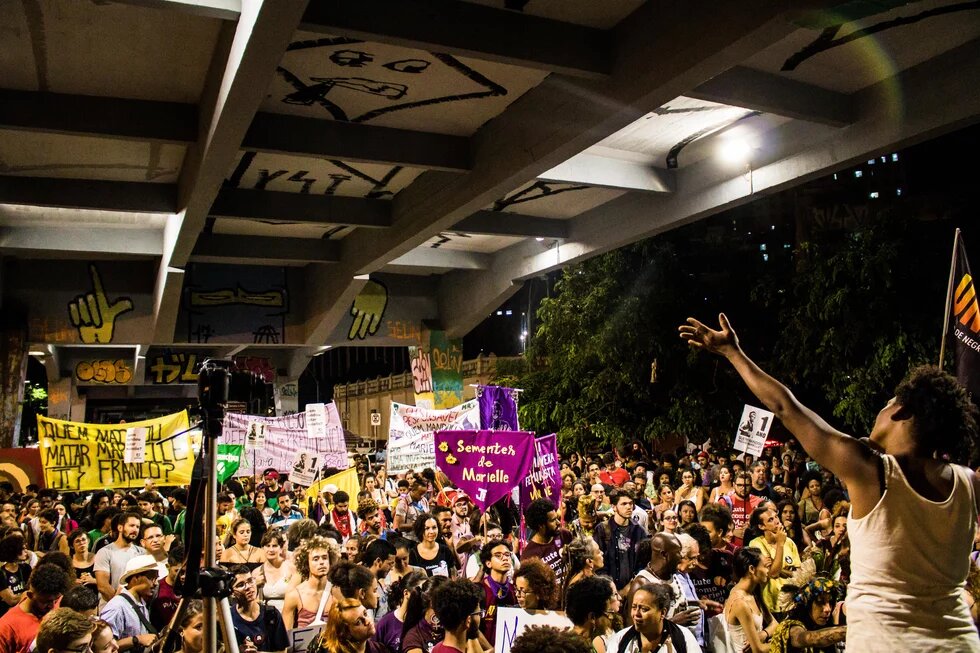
256, 436
81, 457
323, 420
511, 622
285, 437
304, 468
410, 429
498, 408
229, 460
544, 478
486, 465
135, 446
753, 430
345, 480
301, 638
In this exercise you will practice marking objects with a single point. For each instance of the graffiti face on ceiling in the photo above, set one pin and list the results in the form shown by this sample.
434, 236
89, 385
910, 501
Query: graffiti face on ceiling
359, 82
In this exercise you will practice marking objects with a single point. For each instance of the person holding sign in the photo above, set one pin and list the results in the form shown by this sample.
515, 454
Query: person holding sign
907, 595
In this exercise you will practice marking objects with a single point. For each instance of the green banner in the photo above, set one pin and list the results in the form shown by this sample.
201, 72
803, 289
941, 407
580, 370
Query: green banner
447, 369
229, 460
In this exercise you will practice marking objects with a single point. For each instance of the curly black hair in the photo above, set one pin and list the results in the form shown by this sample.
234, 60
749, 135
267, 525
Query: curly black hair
11, 547
587, 597
454, 601
548, 639
536, 514
48, 580
945, 418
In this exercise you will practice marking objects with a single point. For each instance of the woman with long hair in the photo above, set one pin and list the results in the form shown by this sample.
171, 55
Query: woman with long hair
786, 511
191, 628
687, 514
750, 625
421, 629
262, 504
582, 558
388, 630
725, 485
257, 521
238, 546
689, 490
275, 576
65, 523
349, 629
666, 500
429, 554
534, 585
82, 559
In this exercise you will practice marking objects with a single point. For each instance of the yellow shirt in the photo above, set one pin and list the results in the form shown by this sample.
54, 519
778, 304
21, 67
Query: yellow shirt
791, 561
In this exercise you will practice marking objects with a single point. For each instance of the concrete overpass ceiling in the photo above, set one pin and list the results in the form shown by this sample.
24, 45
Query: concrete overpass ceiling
600, 15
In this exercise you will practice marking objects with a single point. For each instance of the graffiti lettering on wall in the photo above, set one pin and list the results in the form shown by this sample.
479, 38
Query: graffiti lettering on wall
367, 310
421, 371
173, 368
402, 330
94, 315
235, 305
261, 366
109, 372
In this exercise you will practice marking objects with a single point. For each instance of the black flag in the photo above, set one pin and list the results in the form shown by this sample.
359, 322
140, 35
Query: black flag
964, 321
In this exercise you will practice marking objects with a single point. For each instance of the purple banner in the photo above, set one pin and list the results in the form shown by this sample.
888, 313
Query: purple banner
498, 408
486, 465
544, 479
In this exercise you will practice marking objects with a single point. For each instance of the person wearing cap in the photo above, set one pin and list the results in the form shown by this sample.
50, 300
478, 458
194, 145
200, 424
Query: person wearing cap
127, 613
463, 540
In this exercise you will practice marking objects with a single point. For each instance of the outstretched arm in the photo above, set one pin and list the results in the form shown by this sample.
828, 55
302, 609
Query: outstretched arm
843, 455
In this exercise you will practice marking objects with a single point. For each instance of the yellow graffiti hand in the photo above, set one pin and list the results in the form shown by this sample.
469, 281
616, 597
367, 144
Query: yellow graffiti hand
93, 315
367, 310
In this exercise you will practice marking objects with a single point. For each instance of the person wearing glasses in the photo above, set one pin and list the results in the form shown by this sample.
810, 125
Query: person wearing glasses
534, 585
498, 590
65, 631
741, 503
457, 605
257, 627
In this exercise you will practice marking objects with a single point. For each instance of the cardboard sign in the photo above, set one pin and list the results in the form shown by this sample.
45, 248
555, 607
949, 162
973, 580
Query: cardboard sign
81, 457
511, 622
753, 430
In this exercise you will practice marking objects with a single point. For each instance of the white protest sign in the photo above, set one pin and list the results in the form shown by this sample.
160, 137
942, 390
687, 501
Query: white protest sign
753, 430
284, 438
301, 638
256, 436
511, 622
135, 445
304, 468
316, 420
411, 444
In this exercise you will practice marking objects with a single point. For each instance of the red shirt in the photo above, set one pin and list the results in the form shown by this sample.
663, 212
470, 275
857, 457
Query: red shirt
17, 630
442, 648
741, 511
618, 477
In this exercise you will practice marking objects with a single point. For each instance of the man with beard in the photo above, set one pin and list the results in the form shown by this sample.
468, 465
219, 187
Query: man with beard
498, 590
20, 624
379, 556
619, 540
741, 504
261, 624
457, 605
370, 519
110, 561
547, 539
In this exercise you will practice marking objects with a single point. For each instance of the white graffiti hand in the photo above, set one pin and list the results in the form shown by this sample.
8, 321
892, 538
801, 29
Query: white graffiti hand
367, 310
93, 315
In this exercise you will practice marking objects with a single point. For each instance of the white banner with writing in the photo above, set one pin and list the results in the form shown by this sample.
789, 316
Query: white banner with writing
410, 428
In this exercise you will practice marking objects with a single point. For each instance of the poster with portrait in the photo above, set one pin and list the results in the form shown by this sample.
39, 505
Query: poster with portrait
753, 430
304, 469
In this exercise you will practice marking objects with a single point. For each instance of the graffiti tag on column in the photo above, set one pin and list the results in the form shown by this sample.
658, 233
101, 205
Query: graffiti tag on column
421, 372
109, 372
174, 368
367, 310
94, 315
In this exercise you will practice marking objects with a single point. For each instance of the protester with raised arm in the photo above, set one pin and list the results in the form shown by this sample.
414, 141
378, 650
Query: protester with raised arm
906, 595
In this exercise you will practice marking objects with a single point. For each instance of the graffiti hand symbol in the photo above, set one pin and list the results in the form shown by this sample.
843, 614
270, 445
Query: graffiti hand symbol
93, 315
367, 310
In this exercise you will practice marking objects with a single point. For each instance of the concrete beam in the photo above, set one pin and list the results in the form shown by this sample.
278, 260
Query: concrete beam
428, 257
87, 115
609, 171
503, 223
558, 119
938, 98
348, 141
762, 91
87, 242
245, 204
469, 30
244, 250
243, 67
135, 196
222, 9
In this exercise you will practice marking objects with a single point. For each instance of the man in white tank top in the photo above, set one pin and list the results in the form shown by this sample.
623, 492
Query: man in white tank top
913, 516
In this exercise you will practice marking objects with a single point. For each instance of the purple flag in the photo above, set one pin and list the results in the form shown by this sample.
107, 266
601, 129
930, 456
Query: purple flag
544, 479
498, 408
486, 465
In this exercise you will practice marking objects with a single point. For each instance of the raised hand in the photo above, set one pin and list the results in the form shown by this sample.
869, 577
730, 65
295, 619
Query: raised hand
367, 310
93, 315
701, 336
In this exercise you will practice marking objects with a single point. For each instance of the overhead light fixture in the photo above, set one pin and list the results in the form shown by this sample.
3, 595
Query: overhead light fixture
35, 352
539, 239
735, 150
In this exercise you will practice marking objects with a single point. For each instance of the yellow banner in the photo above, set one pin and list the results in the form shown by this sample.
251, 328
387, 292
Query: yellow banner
82, 457
346, 481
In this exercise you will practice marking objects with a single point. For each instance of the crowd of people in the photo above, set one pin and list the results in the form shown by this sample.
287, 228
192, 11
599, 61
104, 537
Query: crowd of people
823, 542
